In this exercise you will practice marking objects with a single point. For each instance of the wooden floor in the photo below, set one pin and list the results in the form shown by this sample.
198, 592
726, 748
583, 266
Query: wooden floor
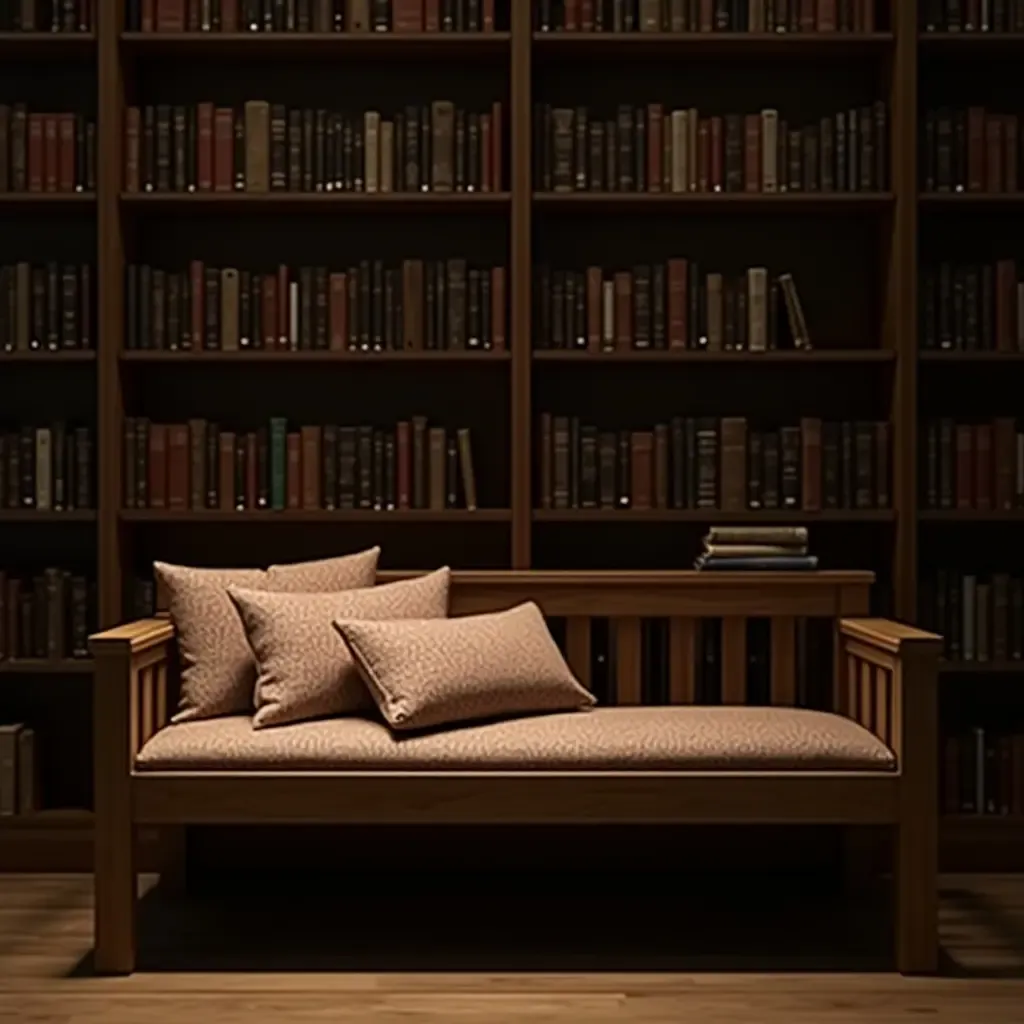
273, 957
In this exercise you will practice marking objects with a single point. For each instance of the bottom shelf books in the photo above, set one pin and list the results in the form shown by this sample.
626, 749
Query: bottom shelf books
983, 773
18, 774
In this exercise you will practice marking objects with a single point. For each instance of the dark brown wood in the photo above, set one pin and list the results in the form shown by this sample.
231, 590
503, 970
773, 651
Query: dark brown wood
45, 666
261, 357
317, 202
699, 515
453, 45
353, 515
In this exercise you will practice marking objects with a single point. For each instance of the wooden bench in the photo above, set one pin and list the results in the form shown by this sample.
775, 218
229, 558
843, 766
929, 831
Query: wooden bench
884, 678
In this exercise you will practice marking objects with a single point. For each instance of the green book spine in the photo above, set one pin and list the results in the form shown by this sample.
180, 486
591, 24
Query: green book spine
278, 445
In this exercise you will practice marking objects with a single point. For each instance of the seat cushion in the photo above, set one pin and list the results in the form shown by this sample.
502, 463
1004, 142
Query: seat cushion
604, 739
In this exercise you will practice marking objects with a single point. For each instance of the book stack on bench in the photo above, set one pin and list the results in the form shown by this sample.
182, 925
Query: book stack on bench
746, 548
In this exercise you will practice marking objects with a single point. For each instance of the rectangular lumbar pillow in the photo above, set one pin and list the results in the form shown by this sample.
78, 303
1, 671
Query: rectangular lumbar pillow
218, 671
304, 669
431, 673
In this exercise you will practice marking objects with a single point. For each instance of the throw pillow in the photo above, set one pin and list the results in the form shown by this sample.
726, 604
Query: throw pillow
217, 668
431, 673
304, 668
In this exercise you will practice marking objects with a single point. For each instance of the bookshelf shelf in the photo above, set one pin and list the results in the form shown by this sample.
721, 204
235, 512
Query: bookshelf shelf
969, 516
654, 202
982, 667
710, 515
384, 45
741, 44
45, 666
318, 202
40, 200
70, 356
260, 357
971, 357
970, 42
689, 356
47, 45
957, 200
310, 517
31, 515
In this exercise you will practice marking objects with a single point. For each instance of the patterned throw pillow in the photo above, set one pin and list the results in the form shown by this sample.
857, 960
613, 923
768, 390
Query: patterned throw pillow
431, 673
304, 668
217, 668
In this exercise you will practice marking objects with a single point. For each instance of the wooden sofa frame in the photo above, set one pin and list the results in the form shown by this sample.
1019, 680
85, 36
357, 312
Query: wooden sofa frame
884, 678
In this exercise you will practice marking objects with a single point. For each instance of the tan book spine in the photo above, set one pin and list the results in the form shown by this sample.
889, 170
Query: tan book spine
436, 451
311, 463
757, 309
756, 18
357, 15
466, 468
680, 133
692, 148
387, 156
226, 471
797, 322
641, 445
608, 316
715, 311
769, 150
44, 469
371, 146
734, 463
624, 310
650, 15
442, 119
229, 309
257, 146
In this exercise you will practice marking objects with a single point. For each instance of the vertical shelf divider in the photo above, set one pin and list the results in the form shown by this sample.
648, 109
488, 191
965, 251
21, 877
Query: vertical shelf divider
110, 276
902, 305
521, 138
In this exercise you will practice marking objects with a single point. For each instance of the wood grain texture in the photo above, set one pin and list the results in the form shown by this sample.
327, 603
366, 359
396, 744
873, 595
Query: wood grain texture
46, 935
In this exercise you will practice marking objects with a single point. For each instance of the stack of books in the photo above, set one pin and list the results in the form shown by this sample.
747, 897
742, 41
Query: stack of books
747, 548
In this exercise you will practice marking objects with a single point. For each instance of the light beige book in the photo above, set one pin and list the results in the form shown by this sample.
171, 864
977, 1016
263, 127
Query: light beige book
257, 146
754, 550
371, 139
9, 770
770, 150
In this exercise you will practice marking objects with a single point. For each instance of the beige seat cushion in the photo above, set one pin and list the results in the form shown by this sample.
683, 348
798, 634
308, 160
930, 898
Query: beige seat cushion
605, 739
218, 671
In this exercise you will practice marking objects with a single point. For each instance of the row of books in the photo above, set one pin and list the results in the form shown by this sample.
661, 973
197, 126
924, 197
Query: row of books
18, 770
973, 465
673, 305
980, 616
972, 307
45, 308
264, 147
48, 468
45, 152
971, 149
46, 15
310, 16
983, 772
692, 16
198, 465
657, 149
48, 615
985, 16
702, 462
369, 307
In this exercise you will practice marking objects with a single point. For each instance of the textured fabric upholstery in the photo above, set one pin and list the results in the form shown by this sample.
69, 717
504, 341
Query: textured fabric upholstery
218, 671
305, 669
638, 739
433, 672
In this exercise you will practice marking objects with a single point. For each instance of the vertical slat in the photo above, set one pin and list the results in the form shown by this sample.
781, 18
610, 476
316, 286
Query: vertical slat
848, 689
783, 640
577, 647
865, 702
681, 647
881, 695
148, 684
734, 660
161, 694
133, 713
629, 660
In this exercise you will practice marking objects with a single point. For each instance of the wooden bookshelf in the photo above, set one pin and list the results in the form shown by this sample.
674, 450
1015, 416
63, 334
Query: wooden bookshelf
45, 667
866, 362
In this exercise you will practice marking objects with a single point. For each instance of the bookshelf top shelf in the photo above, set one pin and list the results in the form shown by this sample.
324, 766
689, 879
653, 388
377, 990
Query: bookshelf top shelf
804, 44
970, 42
464, 45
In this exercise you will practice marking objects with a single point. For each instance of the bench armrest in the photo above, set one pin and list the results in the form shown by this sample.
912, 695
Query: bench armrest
130, 703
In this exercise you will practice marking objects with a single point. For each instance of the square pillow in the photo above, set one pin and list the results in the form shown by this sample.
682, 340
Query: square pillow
304, 669
217, 667
431, 673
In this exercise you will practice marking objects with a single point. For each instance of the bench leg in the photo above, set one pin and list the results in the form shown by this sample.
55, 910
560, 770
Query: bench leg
115, 901
917, 898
